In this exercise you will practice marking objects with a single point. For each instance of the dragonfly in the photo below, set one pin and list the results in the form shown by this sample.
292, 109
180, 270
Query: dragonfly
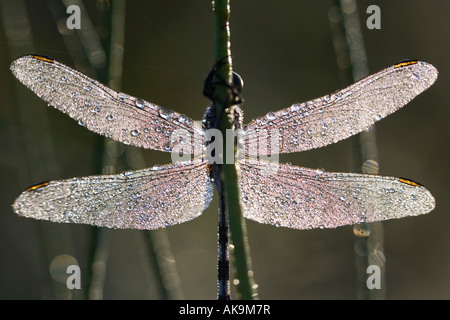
164, 195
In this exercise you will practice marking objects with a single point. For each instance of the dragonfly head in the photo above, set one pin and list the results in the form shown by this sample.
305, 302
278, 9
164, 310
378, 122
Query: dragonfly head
212, 80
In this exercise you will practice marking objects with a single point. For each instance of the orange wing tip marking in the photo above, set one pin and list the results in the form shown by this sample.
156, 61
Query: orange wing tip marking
410, 182
405, 63
43, 58
38, 186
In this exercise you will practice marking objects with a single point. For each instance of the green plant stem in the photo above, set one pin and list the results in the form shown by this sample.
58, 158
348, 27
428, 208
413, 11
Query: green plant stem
223, 100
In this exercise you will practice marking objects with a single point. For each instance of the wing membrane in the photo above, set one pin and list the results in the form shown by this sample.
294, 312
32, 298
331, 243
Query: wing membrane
145, 199
102, 110
302, 198
335, 117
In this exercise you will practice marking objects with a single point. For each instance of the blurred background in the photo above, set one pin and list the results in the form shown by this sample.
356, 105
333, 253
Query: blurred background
285, 54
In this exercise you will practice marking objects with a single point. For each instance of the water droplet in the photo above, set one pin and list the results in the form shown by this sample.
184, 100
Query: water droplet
320, 171
158, 129
324, 128
165, 113
271, 116
110, 117
63, 78
167, 146
123, 96
295, 107
81, 123
245, 199
135, 196
182, 118
135, 133
139, 103
146, 130
362, 218
97, 109
361, 230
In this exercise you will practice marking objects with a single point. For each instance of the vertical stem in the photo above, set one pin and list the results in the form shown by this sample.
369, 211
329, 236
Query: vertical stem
223, 264
223, 100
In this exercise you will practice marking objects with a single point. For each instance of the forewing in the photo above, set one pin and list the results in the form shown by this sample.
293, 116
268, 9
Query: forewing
102, 110
301, 198
145, 199
335, 117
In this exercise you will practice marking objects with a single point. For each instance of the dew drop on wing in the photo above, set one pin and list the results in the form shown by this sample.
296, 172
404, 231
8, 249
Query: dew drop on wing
164, 113
139, 103
167, 146
271, 116
295, 107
